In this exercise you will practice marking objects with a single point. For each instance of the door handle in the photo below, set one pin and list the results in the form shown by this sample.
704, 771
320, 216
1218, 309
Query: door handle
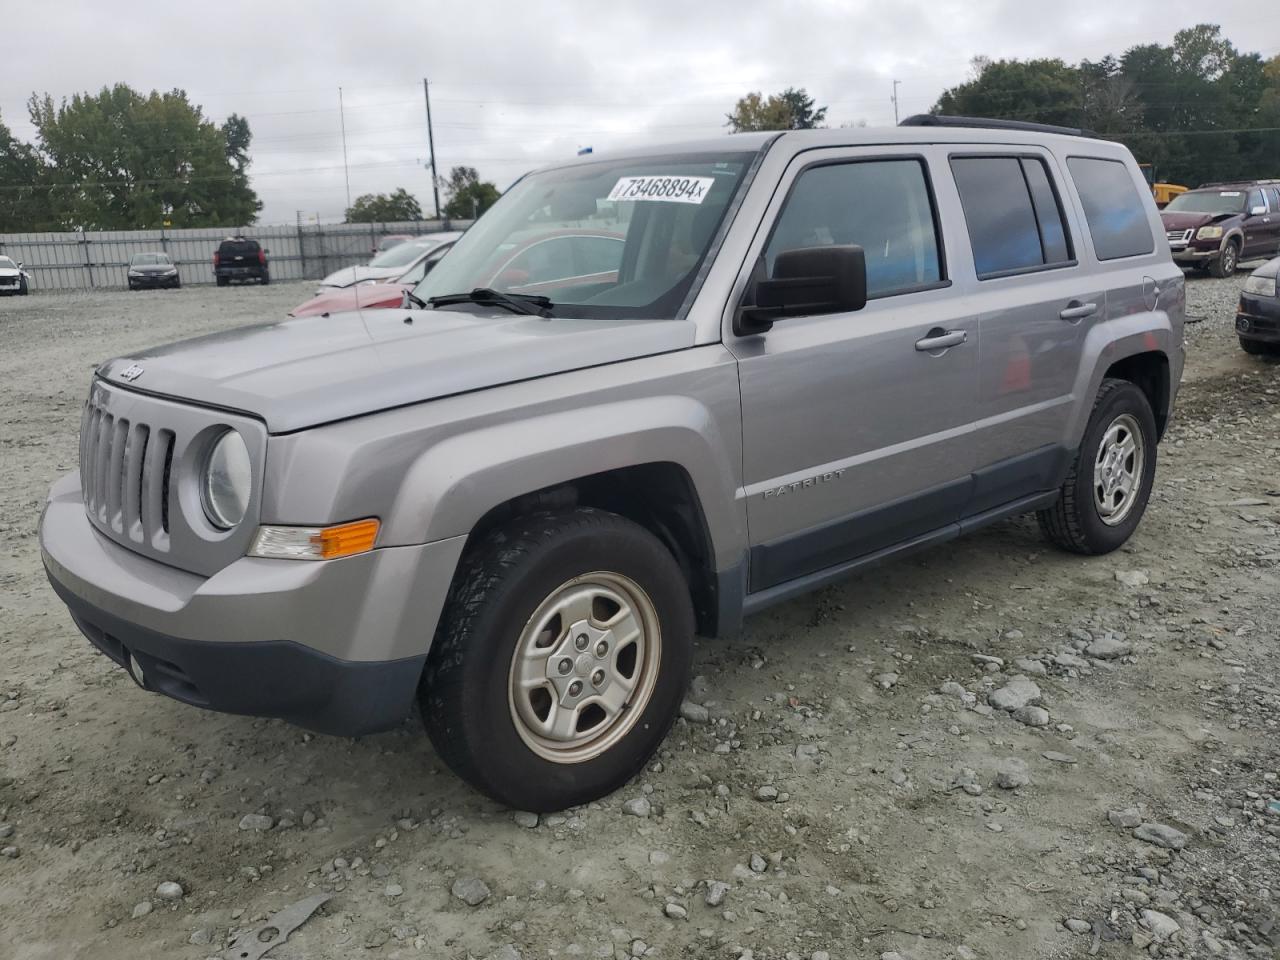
1075, 310
939, 339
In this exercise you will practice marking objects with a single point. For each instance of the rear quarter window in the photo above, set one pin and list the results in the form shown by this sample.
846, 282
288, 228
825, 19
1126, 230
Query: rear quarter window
1113, 208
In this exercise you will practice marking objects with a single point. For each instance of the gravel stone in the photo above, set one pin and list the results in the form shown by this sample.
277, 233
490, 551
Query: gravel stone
1019, 691
9, 853
1161, 925
676, 912
1133, 578
694, 712
1161, 835
767, 793
141, 910
1012, 773
1032, 716
717, 890
170, 891
1077, 926
471, 890
758, 863
524, 818
1126, 819
1108, 647
256, 821
637, 807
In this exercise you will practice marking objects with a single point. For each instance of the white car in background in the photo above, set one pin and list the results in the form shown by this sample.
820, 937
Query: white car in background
388, 264
13, 279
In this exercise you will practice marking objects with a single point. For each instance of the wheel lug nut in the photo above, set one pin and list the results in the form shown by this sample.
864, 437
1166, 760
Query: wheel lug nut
565, 666
581, 641
575, 688
602, 648
597, 678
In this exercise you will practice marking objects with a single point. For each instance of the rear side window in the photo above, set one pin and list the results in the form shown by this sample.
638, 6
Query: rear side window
1013, 215
883, 206
1113, 208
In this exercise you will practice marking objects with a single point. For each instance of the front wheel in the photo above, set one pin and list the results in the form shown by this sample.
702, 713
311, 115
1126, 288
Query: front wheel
1225, 264
560, 660
1107, 489
23, 289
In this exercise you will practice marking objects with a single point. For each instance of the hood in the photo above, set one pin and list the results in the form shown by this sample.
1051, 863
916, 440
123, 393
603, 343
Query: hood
1178, 220
154, 268
1269, 269
342, 299
349, 275
303, 372
10, 272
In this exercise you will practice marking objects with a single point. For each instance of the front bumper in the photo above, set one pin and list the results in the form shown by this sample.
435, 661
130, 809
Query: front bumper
337, 646
1195, 255
1258, 318
154, 280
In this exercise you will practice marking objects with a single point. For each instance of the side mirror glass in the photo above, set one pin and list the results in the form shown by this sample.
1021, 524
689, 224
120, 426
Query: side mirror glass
806, 281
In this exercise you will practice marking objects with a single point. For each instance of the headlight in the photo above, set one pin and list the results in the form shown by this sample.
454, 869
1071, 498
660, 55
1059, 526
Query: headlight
1208, 233
227, 481
171, 270
1261, 286
134, 273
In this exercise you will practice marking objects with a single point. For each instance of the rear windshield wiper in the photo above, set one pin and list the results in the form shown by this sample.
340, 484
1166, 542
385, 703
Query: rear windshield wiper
524, 303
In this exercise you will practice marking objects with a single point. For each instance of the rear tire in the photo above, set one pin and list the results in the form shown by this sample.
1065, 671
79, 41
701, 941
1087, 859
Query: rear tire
603, 597
221, 281
1225, 264
266, 279
1095, 514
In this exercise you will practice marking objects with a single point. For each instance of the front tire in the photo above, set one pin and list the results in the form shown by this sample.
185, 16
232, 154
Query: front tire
23, 289
1107, 489
1225, 264
560, 660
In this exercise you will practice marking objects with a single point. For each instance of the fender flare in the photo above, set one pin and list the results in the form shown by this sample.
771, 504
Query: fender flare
454, 483
1107, 344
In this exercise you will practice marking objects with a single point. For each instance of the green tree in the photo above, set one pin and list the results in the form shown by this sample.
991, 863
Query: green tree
122, 160
469, 196
384, 208
23, 206
1042, 91
793, 109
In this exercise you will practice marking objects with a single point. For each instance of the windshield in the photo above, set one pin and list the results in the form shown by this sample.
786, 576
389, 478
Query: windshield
403, 254
608, 239
7, 264
142, 259
1217, 201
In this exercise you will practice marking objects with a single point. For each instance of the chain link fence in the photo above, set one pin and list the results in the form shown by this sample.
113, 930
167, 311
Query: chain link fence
85, 260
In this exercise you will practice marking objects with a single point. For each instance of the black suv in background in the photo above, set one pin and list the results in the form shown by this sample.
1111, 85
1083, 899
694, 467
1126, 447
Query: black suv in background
239, 259
1216, 225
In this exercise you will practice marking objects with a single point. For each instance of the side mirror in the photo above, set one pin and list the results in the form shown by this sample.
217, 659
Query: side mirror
810, 280
1258, 212
265, 250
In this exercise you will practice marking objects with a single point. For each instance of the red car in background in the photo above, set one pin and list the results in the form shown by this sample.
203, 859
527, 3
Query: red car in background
370, 294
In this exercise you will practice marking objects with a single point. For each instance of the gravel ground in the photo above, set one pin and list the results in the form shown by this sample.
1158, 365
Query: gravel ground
993, 750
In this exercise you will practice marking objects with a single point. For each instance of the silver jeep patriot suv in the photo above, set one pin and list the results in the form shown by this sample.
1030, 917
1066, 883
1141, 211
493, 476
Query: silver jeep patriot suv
646, 394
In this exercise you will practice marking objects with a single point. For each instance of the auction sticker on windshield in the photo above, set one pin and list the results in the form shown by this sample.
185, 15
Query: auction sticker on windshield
669, 189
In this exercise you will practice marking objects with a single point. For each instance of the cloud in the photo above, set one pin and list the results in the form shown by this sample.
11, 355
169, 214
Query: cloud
516, 85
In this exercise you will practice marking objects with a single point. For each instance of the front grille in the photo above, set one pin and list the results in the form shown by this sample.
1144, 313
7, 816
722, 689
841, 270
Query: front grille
124, 473
1178, 236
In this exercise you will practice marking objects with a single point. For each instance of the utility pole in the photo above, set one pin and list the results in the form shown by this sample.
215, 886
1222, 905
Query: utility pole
342, 118
431, 146
894, 98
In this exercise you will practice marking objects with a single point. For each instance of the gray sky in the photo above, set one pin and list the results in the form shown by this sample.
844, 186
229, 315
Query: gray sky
517, 84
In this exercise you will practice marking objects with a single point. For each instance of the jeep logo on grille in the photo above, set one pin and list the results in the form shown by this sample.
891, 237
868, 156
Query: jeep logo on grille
131, 372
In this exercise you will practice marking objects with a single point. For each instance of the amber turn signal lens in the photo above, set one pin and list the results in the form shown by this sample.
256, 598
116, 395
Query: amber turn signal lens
345, 539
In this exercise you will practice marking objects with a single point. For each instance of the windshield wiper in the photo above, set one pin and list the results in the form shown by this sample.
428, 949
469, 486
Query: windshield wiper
529, 304
416, 300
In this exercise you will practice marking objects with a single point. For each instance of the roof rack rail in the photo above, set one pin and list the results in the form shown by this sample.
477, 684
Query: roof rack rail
989, 123
1244, 182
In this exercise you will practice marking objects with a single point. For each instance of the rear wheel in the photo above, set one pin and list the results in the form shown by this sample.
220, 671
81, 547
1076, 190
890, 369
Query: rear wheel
1225, 264
1106, 491
560, 660
266, 278
222, 281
